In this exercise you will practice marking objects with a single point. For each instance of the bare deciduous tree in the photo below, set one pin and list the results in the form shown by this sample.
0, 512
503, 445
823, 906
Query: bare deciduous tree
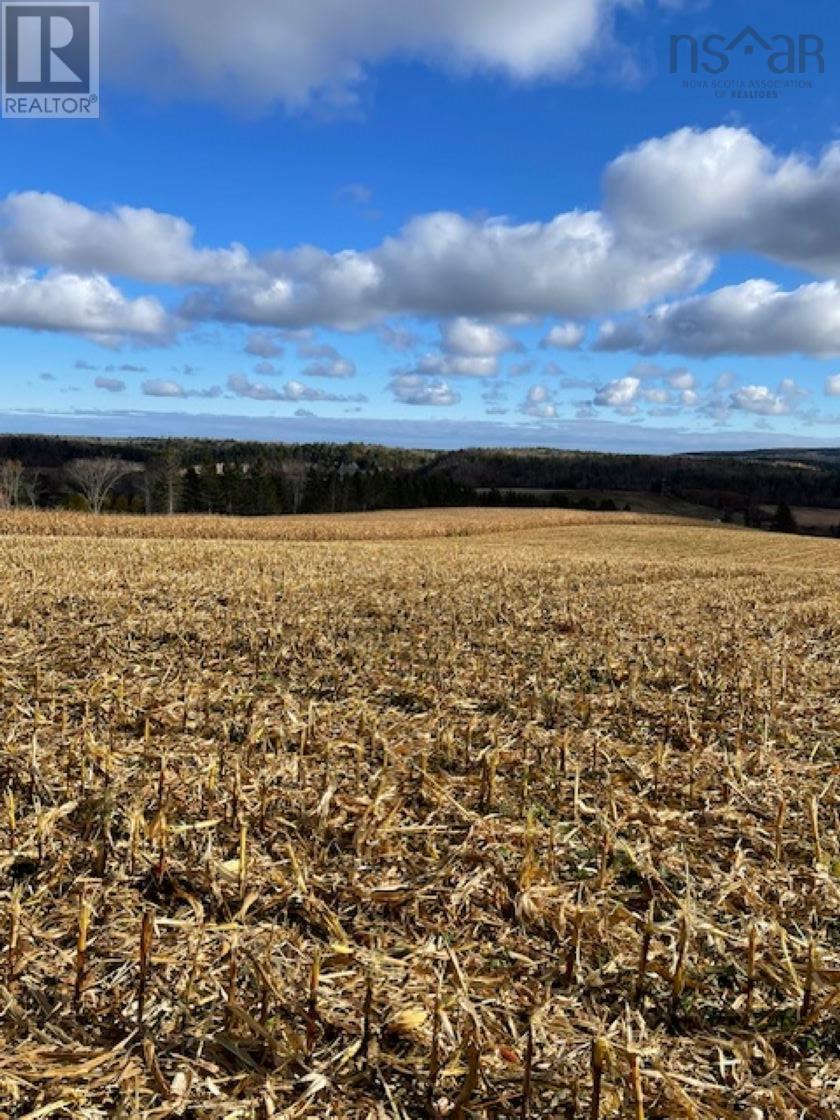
30, 486
11, 480
96, 478
296, 474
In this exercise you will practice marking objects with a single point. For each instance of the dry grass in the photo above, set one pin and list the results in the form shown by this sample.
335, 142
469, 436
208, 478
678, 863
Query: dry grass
390, 525
537, 823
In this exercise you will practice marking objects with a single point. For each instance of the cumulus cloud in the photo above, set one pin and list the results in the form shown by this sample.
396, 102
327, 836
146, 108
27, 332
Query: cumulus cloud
564, 336
539, 401
242, 386
142, 244
61, 301
670, 205
439, 265
724, 190
321, 50
455, 365
681, 379
471, 339
656, 395
260, 344
161, 387
444, 265
756, 317
671, 391
620, 393
335, 367
110, 384
158, 387
832, 385
761, 400
417, 389
327, 361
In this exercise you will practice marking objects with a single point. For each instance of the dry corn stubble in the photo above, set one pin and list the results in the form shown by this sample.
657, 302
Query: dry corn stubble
523, 815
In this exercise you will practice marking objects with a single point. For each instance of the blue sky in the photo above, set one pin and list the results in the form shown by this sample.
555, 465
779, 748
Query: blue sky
488, 222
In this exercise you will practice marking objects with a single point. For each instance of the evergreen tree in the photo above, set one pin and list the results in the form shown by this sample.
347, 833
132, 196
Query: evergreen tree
783, 519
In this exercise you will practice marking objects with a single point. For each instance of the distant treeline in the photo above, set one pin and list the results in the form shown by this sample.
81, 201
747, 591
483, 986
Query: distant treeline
228, 477
198, 476
734, 480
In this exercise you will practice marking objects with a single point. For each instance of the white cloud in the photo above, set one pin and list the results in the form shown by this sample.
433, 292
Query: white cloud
242, 386
761, 400
668, 390
338, 367
109, 384
161, 387
470, 339
669, 205
439, 265
832, 385
445, 365
446, 265
142, 244
158, 387
564, 336
321, 49
656, 395
790, 388
263, 345
756, 317
415, 388
540, 402
61, 301
724, 190
680, 379
327, 361
620, 393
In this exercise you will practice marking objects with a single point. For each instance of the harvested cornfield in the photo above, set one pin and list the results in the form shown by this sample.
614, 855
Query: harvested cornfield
516, 820
385, 525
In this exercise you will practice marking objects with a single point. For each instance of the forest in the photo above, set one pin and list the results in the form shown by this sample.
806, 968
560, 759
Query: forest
757, 488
